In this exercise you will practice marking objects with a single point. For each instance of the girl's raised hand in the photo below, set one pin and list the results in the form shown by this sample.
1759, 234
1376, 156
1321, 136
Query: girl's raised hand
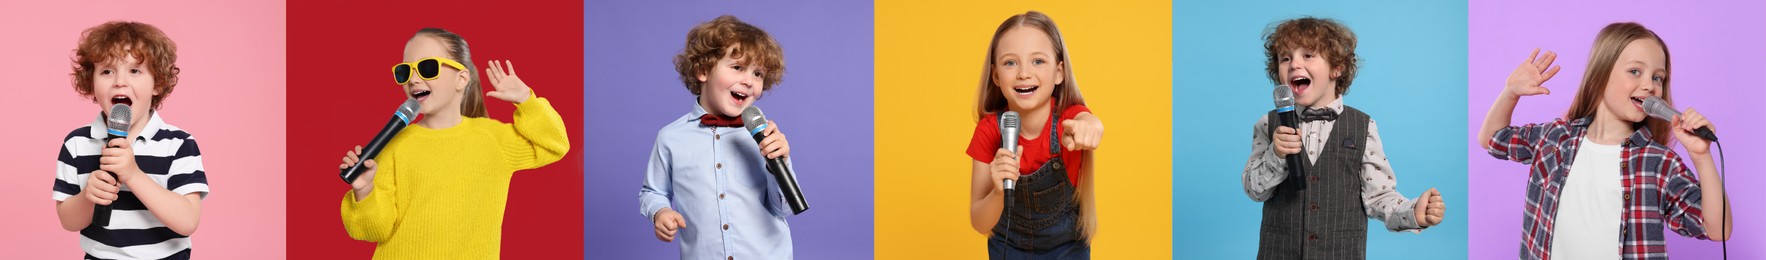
1530, 77
1683, 131
508, 87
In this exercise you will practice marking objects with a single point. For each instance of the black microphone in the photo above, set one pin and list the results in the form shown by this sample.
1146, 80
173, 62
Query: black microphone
1659, 109
1284, 108
118, 128
1009, 140
400, 119
756, 124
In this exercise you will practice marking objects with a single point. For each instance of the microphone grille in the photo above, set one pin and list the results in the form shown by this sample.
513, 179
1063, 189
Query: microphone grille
408, 110
1658, 108
118, 118
1009, 119
753, 120
1284, 96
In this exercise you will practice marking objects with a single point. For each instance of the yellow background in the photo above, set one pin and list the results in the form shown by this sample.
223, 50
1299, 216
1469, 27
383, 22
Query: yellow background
929, 56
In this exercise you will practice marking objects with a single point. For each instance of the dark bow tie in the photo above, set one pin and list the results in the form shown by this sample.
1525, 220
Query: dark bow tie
719, 121
1315, 114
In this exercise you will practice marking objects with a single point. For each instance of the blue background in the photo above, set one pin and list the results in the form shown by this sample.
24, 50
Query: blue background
823, 104
1412, 82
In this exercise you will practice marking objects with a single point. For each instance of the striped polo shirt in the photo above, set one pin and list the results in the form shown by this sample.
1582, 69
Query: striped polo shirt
167, 154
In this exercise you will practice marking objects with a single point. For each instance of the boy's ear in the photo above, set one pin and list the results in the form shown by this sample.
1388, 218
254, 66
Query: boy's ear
1060, 72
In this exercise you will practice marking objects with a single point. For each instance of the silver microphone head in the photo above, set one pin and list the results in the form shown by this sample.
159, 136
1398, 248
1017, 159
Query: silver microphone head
1009, 130
1009, 138
753, 120
1284, 97
1657, 108
118, 120
408, 110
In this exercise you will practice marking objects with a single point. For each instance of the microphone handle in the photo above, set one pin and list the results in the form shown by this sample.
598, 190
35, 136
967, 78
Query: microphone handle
1705, 132
787, 185
101, 213
386, 134
1296, 167
787, 181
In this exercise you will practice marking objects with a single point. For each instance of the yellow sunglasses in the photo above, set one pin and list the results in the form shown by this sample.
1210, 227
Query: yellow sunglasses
427, 68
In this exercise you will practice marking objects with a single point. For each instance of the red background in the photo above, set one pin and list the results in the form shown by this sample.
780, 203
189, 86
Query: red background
340, 92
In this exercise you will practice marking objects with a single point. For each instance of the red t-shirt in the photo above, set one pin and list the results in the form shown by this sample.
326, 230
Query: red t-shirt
986, 142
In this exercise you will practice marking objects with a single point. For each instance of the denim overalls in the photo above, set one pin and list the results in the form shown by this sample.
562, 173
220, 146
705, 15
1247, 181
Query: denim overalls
1044, 216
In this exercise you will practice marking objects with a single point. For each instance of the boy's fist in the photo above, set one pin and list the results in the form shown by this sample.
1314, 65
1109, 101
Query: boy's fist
1430, 209
101, 188
1286, 141
668, 222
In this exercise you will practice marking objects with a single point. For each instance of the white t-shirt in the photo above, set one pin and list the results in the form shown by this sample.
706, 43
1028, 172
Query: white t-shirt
1591, 205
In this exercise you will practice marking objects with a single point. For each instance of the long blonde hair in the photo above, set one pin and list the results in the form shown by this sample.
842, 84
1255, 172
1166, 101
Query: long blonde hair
1607, 46
989, 99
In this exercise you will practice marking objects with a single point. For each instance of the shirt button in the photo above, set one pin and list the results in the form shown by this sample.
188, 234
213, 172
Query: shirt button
720, 166
1313, 178
726, 226
1312, 236
1627, 195
730, 258
717, 137
1314, 207
720, 196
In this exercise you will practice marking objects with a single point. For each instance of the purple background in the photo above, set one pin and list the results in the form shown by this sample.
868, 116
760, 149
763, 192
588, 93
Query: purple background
824, 104
1717, 51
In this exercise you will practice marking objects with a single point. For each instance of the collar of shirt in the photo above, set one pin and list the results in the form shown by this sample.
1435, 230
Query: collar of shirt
1641, 137
154, 124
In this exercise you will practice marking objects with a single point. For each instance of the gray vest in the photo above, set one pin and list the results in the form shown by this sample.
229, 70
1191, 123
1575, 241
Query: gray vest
1326, 220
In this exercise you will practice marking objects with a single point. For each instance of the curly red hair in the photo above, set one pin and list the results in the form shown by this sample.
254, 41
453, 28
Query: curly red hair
706, 43
1325, 36
112, 41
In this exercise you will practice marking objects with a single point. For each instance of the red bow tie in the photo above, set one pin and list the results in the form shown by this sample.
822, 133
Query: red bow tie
719, 121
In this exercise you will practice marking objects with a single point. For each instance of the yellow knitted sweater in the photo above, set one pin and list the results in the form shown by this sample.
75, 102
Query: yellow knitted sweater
440, 193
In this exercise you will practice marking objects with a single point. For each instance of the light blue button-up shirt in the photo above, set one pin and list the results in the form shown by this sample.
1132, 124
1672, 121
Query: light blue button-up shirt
717, 179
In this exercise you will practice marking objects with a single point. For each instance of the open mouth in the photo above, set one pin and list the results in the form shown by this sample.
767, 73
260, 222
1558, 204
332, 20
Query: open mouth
739, 97
121, 99
1637, 101
420, 94
1300, 84
1025, 89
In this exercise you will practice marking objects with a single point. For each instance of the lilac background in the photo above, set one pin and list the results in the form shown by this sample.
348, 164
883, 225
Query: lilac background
824, 104
1717, 51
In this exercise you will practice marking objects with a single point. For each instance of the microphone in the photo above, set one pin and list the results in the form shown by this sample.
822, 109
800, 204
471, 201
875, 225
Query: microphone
1284, 108
400, 119
1659, 109
117, 124
756, 124
1009, 141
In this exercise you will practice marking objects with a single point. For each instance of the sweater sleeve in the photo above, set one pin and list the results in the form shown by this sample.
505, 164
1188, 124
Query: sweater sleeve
374, 218
542, 135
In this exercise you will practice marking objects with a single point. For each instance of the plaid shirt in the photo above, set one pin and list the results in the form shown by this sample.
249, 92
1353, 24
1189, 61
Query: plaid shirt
1659, 191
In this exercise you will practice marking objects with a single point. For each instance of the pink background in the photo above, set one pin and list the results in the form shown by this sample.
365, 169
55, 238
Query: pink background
230, 98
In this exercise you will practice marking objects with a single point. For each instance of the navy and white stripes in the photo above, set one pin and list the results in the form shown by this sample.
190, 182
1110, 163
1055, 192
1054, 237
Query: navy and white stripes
168, 155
